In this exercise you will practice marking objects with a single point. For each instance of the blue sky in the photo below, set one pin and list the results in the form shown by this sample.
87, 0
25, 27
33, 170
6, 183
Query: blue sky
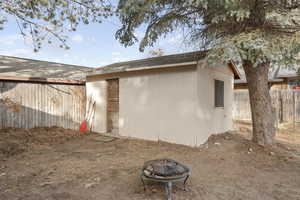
91, 45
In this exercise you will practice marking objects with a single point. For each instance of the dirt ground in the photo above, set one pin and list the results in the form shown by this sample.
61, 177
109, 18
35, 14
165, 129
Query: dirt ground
58, 164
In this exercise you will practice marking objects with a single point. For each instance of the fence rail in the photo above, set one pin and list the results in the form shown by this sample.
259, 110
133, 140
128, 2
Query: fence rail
28, 105
285, 102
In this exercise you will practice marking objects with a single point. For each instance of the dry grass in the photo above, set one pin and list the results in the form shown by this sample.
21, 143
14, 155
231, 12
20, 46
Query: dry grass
287, 134
16, 140
76, 167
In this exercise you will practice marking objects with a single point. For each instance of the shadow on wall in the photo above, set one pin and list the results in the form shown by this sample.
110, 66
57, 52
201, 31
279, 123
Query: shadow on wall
6, 87
27, 105
17, 116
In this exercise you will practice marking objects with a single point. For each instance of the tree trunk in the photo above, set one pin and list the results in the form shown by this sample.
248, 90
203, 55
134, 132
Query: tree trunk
263, 114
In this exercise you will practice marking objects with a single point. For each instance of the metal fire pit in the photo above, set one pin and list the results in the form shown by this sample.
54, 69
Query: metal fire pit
165, 171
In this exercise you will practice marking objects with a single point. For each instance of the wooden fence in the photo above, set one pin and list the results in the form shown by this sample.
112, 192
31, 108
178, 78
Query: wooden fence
27, 105
285, 102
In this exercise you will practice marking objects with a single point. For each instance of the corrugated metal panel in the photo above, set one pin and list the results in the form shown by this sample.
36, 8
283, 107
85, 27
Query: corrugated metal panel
28, 105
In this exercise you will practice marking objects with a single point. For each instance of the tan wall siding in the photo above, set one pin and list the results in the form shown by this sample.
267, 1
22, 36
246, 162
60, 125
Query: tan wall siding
27, 105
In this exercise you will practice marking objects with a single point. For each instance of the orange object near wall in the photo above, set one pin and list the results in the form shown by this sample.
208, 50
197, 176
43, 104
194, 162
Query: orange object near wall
83, 126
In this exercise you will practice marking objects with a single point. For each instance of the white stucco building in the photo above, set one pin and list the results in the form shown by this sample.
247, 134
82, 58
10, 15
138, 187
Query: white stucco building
176, 98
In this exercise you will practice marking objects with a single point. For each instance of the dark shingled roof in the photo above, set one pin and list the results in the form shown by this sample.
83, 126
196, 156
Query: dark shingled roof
151, 62
14, 68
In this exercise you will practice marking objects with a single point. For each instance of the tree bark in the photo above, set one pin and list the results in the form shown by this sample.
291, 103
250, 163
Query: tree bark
262, 111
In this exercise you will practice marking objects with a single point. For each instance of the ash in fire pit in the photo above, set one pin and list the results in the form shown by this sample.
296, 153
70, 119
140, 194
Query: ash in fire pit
166, 171
164, 168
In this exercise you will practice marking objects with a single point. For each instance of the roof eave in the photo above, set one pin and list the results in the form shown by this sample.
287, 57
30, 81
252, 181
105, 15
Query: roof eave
236, 82
43, 80
236, 72
289, 76
141, 68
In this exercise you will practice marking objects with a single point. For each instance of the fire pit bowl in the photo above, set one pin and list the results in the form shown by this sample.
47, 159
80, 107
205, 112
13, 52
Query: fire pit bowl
165, 171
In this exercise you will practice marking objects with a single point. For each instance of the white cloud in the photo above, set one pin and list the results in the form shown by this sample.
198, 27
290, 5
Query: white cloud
28, 40
91, 39
58, 60
116, 53
175, 39
119, 58
77, 38
18, 52
139, 35
103, 63
10, 39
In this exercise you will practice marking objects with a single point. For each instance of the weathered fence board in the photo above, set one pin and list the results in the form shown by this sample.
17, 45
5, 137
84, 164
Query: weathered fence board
297, 105
285, 102
27, 105
241, 107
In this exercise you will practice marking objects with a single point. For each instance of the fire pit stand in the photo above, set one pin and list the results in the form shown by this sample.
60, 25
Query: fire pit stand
165, 171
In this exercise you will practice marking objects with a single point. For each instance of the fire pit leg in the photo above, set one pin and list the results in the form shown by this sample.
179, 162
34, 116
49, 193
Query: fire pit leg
143, 183
168, 187
184, 183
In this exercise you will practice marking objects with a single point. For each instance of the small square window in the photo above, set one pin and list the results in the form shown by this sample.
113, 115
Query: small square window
219, 93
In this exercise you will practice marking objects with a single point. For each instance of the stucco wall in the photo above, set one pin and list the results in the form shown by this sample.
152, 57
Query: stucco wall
172, 106
158, 106
213, 120
177, 107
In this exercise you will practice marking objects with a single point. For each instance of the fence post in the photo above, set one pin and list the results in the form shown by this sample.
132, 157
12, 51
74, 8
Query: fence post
281, 106
294, 109
277, 108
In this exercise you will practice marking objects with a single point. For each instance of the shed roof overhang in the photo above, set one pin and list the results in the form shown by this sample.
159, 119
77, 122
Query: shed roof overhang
171, 61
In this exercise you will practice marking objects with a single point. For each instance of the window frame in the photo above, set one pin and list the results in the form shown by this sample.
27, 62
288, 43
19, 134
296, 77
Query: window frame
219, 103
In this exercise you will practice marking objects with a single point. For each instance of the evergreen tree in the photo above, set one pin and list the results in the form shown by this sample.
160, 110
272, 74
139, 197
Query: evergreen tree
255, 33
48, 20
